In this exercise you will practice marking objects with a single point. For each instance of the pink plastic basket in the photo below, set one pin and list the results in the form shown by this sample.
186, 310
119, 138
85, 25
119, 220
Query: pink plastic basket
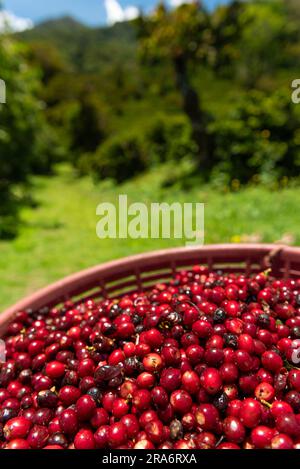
141, 272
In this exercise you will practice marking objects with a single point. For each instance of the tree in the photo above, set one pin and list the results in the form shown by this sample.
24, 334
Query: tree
26, 141
88, 124
186, 36
181, 36
267, 33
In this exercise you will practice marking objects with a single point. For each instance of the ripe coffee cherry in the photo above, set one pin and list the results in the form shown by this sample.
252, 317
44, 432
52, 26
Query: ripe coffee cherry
271, 361
154, 338
293, 399
55, 369
190, 382
264, 391
202, 328
181, 401
282, 441
194, 354
43, 416
155, 432
262, 436
232, 308
170, 379
17, 427
207, 417
196, 363
117, 434
68, 422
38, 437
58, 439
141, 399
85, 407
229, 372
144, 444
145, 380
86, 367
211, 380
84, 439
243, 360
159, 397
99, 418
152, 362
288, 424
171, 356
47, 399
147, 416
250, 413
234, 430
132, 425
18, 443
228, 445
294, 379
279, 408
234, 408
120, 408
214, 357
245, 342
101, 436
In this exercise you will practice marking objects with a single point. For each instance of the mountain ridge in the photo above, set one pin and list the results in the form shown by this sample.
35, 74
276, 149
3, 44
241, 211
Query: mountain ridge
87, 48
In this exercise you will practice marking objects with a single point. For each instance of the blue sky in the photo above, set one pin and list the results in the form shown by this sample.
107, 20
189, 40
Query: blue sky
89, 11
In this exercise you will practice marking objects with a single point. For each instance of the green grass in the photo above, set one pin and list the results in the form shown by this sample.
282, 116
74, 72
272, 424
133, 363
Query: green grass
59, 236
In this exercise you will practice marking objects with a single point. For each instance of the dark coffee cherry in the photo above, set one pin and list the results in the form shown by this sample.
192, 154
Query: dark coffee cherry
263, 320
221, 402
231, 340
219, 316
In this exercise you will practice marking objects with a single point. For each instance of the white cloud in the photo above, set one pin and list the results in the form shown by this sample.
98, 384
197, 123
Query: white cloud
115, 13
177, 3
11, 22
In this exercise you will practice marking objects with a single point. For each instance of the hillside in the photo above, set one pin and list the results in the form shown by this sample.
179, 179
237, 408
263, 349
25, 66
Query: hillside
87, 49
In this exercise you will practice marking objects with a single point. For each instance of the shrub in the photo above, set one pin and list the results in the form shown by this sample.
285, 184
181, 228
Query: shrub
259, 138
127, 154
27, 145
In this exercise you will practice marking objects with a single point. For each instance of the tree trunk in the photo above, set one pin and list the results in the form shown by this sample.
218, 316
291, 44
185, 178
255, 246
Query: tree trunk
191, 106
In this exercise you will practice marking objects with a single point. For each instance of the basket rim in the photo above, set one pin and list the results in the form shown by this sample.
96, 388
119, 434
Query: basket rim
135, 263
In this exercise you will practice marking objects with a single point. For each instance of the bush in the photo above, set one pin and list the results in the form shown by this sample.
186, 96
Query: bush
27, 145
259, 138
119, 158
127, 154
169, 138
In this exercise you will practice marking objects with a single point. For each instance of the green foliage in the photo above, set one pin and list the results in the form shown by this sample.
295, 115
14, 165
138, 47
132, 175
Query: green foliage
119, 158
169, 34
259, 139
88, 50
26, 142
169, 138
84, 95
267, 39
88, 127
49, 59
127, 154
